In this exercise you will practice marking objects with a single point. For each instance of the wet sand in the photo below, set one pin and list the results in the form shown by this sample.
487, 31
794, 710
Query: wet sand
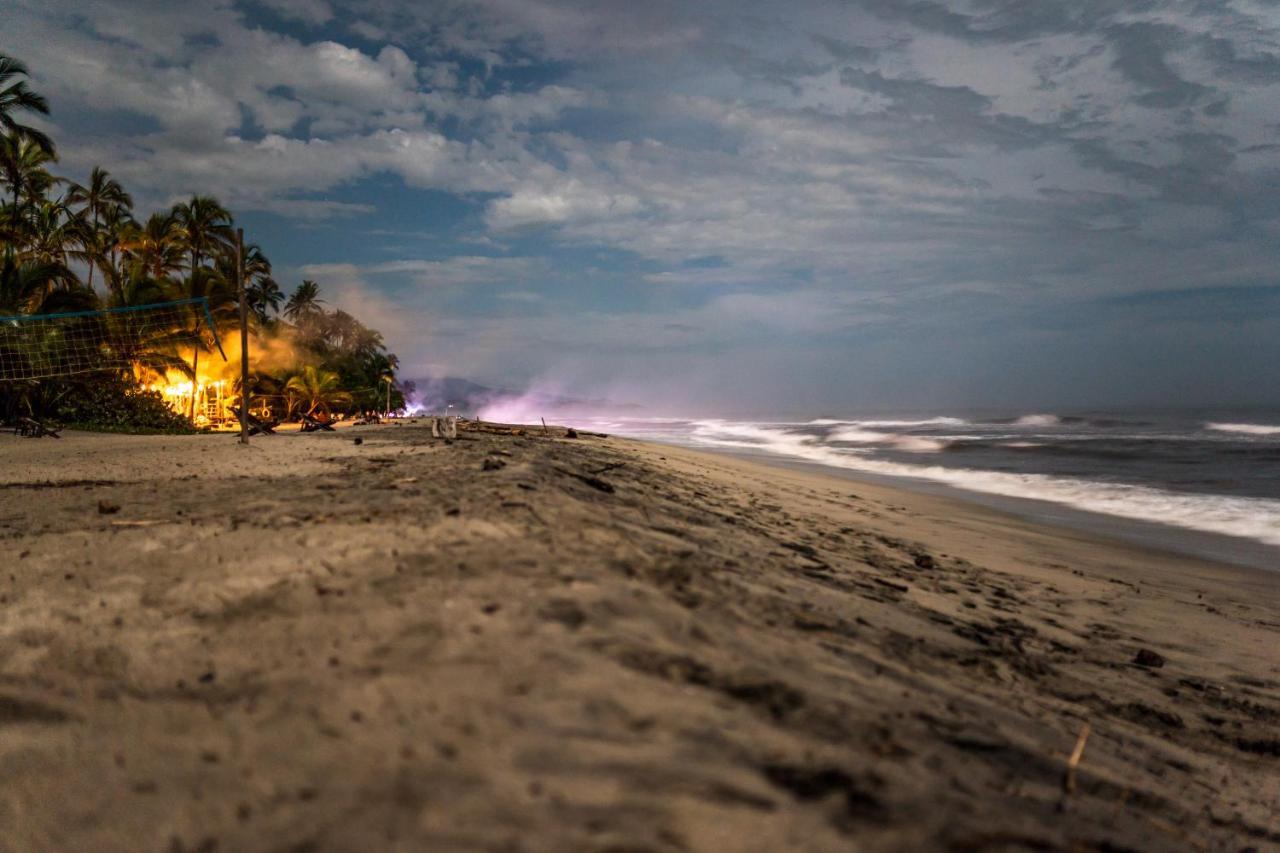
544, 643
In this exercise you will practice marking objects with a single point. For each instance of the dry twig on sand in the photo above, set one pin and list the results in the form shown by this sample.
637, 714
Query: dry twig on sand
1069, 781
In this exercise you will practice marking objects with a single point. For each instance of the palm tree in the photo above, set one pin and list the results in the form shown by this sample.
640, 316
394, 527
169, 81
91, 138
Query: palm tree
15, 95
206, 231
56, 235
304, 302
103, 195
262, 293
23, 172
154, 250
117, 224
24, 286
265, 297
319, 390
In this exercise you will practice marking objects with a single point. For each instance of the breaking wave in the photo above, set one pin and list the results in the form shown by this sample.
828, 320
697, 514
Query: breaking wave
1038, 421
1245, 429
907, 443
891, 424
1254, 518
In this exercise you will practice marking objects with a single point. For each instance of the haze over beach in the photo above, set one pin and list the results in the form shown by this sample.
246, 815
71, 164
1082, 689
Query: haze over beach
563, 425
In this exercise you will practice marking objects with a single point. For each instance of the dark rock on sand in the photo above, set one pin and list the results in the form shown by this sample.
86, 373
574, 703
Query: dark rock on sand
1149, 659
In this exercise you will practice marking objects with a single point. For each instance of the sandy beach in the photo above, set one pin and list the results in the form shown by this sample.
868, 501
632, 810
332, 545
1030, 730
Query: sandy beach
530, 642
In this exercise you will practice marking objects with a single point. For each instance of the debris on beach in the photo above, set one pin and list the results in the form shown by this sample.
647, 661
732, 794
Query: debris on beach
1149, 659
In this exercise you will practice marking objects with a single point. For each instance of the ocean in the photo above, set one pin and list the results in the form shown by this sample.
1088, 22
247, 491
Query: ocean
1205, 482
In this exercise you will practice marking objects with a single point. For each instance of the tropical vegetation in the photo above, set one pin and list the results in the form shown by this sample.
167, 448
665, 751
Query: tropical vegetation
67, 246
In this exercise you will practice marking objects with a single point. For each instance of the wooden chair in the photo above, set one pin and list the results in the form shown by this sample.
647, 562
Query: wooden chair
256, 426
310, 424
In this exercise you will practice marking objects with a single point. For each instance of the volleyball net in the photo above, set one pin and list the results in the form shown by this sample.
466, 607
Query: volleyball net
50, 346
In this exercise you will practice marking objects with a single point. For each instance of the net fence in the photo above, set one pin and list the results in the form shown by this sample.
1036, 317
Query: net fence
48, 346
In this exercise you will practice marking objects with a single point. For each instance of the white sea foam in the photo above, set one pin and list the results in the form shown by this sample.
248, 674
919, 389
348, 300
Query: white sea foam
1247, 429
853, 435
1038, 420
917, 444
908, 443
891, 424
1252, 518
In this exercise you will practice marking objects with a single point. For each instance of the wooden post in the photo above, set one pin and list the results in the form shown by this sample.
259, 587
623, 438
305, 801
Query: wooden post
244, 338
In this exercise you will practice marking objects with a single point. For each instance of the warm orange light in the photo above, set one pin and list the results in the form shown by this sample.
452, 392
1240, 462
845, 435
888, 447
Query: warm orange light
216, 378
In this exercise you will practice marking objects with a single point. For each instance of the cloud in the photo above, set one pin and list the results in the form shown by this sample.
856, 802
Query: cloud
314, 12
566, 201
459, 270
843, 163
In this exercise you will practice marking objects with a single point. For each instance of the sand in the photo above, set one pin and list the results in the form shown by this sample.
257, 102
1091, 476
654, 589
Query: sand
545, 643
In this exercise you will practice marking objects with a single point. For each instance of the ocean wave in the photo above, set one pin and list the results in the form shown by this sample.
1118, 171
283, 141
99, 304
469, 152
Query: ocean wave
917, 444
906, 443
890, 424
1245, 429
1247, 517
853, 435
1038, 421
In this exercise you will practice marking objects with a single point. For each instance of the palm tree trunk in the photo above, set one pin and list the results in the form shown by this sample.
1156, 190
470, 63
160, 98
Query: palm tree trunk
195, 350
195, 382
95, 237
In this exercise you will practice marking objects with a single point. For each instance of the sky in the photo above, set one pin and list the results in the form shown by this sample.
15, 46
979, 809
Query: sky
730, 204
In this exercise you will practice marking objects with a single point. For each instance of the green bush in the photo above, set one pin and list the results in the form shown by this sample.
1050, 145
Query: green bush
116, 404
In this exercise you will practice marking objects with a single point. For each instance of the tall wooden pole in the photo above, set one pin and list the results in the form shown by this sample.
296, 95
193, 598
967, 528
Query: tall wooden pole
244, 338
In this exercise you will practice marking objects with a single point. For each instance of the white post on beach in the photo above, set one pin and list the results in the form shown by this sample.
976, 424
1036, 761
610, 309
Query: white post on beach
244, 339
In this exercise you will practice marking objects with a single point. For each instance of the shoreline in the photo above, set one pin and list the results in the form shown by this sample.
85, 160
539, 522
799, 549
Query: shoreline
951, 507
1164, 539
537, 642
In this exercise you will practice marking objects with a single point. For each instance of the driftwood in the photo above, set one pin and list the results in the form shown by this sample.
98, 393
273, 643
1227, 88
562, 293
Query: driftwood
508, 429
491, 429
32, 428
